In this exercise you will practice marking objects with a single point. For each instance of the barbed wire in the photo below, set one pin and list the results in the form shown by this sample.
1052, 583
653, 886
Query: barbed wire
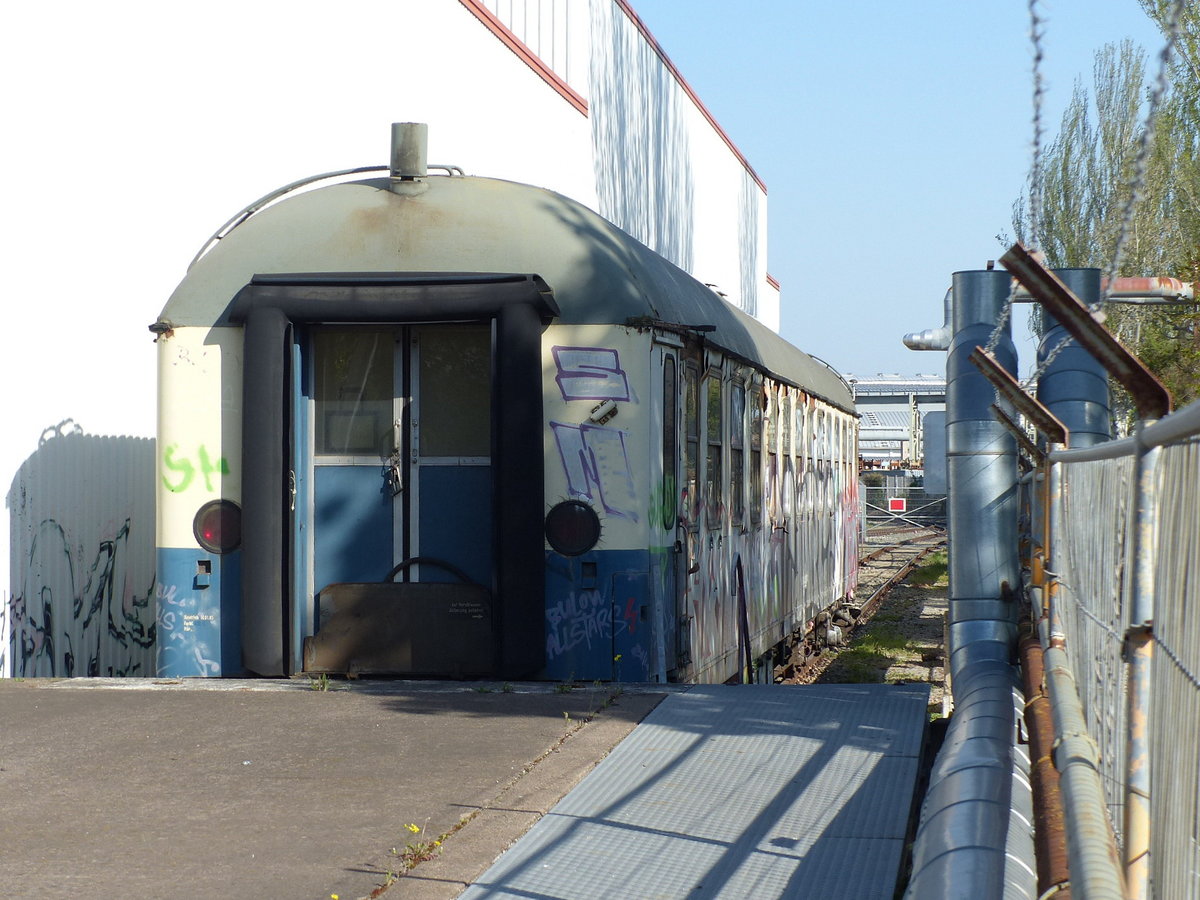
1179, 664
1141, 163
1032, 379
1036, 32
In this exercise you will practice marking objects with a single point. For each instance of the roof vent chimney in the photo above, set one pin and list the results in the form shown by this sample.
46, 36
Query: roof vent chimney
410, 145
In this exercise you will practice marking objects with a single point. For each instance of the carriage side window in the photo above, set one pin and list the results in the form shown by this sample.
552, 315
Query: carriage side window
758, 400
787, 491
714, 483
771, 495
737, 442
691, 430
669, 449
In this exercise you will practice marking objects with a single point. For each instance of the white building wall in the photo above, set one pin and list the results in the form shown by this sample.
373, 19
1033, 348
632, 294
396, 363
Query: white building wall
140, 148
666, 173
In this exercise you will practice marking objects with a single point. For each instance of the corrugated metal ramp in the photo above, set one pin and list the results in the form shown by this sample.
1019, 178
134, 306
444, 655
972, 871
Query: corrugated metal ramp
735, 791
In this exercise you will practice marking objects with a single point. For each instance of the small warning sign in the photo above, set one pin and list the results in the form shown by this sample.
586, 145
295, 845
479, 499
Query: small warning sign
897, 504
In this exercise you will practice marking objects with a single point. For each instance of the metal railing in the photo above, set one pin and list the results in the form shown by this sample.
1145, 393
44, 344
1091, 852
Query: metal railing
1123, 597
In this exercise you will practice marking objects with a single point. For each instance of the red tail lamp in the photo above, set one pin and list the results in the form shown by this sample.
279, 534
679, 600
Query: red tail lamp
218, 526
572, 527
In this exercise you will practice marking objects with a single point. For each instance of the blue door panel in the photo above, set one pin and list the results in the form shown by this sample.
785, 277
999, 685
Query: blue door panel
352, 528
456, 521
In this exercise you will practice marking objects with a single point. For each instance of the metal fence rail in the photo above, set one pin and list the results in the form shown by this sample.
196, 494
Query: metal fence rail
1125, 562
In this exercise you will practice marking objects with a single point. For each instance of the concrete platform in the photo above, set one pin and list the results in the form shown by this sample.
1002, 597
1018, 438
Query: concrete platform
747, 791
269, 789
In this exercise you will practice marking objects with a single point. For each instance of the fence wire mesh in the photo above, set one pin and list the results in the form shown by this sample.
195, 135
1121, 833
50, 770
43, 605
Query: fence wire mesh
1093, 607
1175, 715
1094, 563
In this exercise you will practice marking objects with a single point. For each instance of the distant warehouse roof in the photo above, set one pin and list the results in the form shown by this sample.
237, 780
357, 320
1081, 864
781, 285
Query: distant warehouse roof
897, 384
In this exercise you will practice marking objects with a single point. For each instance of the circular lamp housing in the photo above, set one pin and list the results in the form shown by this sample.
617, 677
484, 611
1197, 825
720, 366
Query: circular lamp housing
572, 528
218, 526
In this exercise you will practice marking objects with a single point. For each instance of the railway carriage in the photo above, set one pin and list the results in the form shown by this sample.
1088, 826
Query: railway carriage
436, 425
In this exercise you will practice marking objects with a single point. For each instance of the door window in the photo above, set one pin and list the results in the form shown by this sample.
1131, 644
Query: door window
352, 385
454, 375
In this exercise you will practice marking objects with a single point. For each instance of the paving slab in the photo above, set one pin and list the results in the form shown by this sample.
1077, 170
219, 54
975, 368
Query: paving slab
223, 788
736, 791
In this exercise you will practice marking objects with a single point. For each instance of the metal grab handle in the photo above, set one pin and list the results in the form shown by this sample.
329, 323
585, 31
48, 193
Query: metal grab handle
432, 561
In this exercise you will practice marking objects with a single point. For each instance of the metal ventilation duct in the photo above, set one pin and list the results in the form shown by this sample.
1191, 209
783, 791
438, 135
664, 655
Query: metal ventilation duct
976, 837
1074, 386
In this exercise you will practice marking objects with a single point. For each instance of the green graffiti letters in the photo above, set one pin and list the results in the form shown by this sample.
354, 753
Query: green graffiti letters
662, 503
185, 469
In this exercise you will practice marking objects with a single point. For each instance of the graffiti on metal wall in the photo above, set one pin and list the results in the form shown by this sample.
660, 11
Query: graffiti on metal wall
189, 635
102, 627
803, 557
81, 587
597, 466
582, 619
594, 457
590, 373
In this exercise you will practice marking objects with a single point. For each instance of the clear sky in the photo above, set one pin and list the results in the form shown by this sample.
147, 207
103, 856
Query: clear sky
893, 138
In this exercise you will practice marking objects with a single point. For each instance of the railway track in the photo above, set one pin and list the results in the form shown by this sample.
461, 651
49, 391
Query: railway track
888, 557
891, 556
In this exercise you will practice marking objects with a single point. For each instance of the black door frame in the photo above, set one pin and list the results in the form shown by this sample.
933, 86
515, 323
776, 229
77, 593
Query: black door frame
520, 307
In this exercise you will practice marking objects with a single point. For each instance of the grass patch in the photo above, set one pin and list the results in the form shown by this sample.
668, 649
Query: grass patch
859, 666
932, 574
884, 639
867, 660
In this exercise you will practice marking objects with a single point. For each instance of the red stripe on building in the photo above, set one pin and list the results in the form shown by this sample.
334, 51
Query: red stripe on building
531, 59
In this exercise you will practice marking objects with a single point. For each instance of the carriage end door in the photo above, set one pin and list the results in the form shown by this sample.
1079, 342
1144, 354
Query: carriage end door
400, 435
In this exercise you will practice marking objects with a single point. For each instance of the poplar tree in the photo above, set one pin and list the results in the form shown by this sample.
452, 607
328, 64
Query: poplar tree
1089, 175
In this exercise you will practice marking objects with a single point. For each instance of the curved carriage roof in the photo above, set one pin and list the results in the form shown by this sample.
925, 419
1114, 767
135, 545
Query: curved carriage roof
598, 273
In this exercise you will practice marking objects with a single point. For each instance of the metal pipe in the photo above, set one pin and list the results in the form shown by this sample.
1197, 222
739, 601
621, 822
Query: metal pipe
934, 338
1049, 835
1139, 655
410, 145
982, 470
1132, 290
1095, 869
1178, 425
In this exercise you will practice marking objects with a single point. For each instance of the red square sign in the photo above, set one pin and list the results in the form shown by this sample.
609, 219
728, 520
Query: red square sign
897, 504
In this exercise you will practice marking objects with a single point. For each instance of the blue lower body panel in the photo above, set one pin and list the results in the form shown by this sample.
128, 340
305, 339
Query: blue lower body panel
199, 613
599, 622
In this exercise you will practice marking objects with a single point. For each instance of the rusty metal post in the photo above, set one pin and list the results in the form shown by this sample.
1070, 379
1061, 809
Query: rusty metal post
1139, 655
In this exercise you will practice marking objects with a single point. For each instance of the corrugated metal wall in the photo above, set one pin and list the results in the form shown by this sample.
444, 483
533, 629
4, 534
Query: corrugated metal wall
81, 591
